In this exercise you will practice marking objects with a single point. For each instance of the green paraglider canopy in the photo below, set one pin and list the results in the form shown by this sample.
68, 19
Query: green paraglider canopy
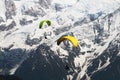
42, 22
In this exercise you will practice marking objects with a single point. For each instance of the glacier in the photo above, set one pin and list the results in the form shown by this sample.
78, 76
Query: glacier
25, 52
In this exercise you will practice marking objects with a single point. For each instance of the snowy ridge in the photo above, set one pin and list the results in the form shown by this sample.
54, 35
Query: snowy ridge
94, 23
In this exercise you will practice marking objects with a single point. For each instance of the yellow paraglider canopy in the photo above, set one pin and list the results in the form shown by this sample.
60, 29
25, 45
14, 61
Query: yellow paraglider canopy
72, 39
42, 22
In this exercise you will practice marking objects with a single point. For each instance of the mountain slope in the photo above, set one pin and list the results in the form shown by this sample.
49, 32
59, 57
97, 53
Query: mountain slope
24, 49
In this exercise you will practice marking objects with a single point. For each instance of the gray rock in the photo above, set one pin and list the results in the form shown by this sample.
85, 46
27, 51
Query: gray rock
25, 22
10, 9
2, 27
1, 19
32, 12
9, 58
110, 53
38, 66
45, 3
33, 41
11, 25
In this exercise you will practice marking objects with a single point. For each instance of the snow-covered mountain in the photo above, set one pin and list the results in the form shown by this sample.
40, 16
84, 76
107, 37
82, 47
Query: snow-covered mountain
26, 53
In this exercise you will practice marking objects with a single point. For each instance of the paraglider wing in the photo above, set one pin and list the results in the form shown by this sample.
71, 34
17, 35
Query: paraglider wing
42, 22
72, 39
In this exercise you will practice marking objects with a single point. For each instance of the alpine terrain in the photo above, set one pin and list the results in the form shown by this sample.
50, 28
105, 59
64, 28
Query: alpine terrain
32, 53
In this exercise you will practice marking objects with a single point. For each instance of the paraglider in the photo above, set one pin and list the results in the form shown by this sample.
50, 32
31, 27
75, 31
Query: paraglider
67, 67
41, 25
72, 39
45, 37
43, 21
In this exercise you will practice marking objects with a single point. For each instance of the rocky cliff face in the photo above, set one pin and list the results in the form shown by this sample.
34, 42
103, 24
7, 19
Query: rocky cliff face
26, 53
